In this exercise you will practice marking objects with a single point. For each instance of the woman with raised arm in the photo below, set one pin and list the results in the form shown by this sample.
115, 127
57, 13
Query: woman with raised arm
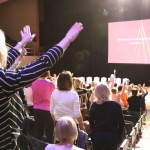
12, 81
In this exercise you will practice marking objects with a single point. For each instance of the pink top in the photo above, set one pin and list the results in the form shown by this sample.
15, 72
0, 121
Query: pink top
42, 90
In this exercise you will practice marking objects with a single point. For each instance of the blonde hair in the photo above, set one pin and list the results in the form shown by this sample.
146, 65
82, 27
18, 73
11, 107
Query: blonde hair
102, 93
3, 50
66, 129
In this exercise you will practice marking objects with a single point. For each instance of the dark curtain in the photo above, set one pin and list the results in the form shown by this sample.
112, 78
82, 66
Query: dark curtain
88, 54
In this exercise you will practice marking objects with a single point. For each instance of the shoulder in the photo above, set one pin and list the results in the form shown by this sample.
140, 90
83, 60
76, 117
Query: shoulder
49, 146
114, 104
76, 148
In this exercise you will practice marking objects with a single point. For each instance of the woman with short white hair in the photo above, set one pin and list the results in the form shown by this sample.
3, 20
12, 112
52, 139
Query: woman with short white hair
65, 132
106, 120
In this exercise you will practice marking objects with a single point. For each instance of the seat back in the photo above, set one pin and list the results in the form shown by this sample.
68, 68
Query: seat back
38, 145
132, 136
128, 128
28, 126
24, 142
124, 145
89, 145
130, 118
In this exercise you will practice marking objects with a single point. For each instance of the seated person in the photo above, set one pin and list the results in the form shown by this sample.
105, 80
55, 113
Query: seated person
65, 132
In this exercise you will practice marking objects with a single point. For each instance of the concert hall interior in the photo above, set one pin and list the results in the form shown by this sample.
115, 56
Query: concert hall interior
115, 41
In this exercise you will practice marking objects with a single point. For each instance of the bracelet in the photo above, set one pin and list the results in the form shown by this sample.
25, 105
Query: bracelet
20, 43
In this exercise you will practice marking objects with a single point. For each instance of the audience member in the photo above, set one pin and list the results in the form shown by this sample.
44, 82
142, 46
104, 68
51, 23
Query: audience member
12, 81
124, 95
65, 101
134, 102
65, 132
116, 96
42, 89
106, 120
82, 92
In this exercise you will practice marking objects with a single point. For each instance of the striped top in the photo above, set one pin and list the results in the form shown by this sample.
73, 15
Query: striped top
12, 81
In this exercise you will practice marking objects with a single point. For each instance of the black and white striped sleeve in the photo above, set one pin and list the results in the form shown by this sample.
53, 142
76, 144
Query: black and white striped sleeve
13, 81
12, 55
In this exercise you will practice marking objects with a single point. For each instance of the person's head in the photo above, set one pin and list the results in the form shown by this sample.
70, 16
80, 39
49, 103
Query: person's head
134, 91
120, 87
115, 84
3, 50
77, 83
129, 88
66, 129
136, 87
114, 90
102, 93
45, 74
64, 81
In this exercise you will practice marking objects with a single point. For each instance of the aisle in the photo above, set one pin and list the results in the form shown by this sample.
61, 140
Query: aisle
144, 142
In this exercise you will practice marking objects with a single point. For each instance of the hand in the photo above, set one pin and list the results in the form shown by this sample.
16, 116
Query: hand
26, 35
74, 31
23, 52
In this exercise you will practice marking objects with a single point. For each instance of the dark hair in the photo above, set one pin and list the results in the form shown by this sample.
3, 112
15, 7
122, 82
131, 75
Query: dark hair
114, 90
45, 74
64, 81
115, 85
120, 87
134, 91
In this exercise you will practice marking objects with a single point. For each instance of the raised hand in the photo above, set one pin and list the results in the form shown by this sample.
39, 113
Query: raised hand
26, 35
74, 31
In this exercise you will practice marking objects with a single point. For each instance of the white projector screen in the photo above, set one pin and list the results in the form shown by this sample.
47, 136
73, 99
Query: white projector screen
129, 42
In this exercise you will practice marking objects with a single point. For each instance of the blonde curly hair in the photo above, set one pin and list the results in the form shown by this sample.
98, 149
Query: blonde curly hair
3, 50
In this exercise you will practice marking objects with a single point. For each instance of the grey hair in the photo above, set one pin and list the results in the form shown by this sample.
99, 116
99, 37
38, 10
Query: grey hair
102, 93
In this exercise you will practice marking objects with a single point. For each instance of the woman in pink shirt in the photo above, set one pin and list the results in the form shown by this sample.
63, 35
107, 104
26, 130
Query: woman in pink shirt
42, 89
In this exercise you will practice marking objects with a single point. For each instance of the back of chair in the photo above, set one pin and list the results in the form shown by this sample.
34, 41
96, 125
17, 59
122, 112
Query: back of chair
128, 127
24, 142
124, 145
132, 136
38, 145
28, 126
130, 118
89, 145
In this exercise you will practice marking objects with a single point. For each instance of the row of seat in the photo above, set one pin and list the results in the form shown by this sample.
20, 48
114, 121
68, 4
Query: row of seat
134, 135
30, 143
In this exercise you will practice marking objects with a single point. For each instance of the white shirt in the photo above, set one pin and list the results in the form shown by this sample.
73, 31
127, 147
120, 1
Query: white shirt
62, 147
65, 103
29, 96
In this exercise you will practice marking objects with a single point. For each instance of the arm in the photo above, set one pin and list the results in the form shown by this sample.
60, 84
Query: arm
91, 117
140, 87
120, 123
71, 35
77, 112
123, 89
27, 74
52, 107
18, 60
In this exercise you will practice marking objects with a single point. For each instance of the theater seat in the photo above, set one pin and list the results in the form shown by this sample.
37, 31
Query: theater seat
38, 145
